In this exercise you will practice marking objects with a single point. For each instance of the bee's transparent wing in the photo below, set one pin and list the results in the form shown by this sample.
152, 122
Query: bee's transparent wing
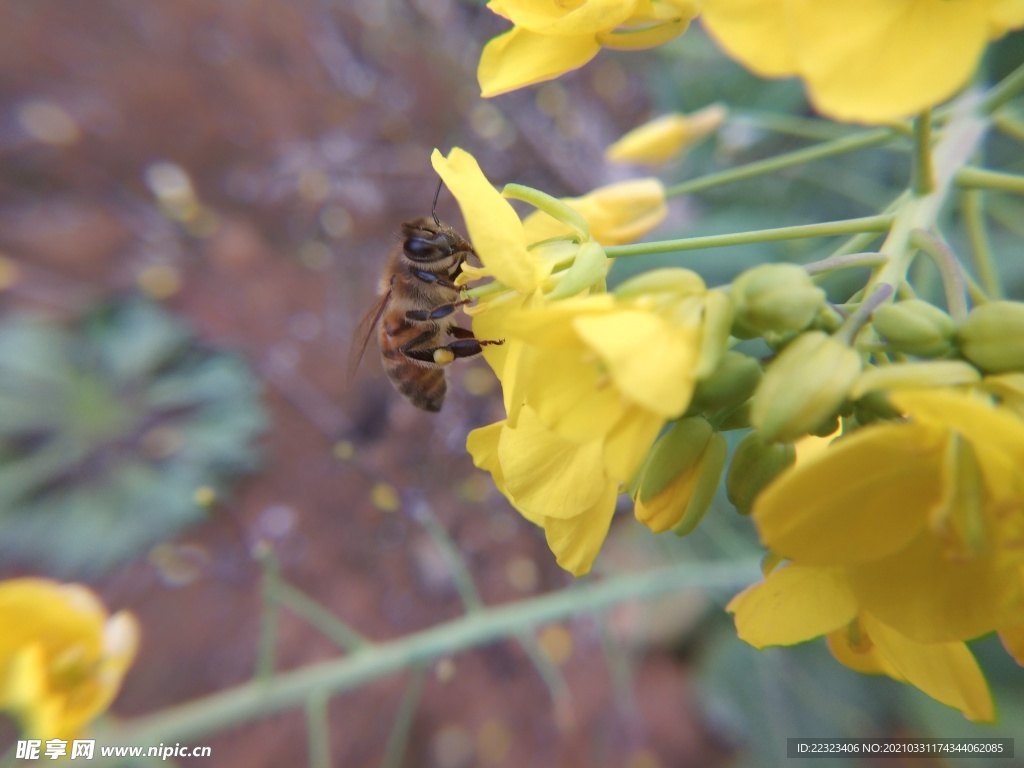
364, 332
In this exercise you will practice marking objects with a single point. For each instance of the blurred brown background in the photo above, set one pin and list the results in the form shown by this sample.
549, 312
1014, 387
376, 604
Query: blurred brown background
247, 163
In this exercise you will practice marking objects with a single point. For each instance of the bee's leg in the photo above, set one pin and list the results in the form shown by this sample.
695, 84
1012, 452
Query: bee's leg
442, 354
436, 313
430, 277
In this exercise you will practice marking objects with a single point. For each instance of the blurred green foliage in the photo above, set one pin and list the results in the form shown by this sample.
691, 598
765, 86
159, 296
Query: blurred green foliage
108, 428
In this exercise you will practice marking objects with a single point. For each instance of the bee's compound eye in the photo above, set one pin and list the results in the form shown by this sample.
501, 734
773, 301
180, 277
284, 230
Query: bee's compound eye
426, 248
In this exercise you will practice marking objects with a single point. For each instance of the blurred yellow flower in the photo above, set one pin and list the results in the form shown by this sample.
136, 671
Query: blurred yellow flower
797, 603
924, 517
62, 658
551, 37
870, 61
667, 137
617, 213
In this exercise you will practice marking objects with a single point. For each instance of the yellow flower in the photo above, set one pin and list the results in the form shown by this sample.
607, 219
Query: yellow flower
551, 37
617, 213
868, 61
588, 386
667, 137
62, 658
924, 517
797, 603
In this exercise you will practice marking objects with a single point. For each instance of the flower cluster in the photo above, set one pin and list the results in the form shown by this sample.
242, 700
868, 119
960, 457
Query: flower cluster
589, 378
62, 657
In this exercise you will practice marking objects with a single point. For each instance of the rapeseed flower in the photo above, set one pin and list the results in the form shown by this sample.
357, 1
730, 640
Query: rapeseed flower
924, 517
796, 603
62, 657
551, 37
868, 61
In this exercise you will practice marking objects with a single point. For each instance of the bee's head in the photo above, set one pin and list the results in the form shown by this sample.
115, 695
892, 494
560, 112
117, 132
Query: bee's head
434, 247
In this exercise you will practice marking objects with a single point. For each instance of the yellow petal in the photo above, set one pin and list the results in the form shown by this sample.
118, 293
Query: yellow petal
945, 671
628, 442
877, 60
650, 360
576, 541
972, 416
867, 496
519, 58
791, 605
556, 17
1013, 641
930, 597
851, 647
663, 10
546, 474
494, 228
1005, 15
755, 33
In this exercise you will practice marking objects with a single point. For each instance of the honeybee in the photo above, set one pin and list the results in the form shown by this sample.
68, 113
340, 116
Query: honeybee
414, 315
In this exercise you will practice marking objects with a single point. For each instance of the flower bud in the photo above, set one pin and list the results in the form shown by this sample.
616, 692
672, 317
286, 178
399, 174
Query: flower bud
992, 336
729, 385
915, 327
932, 373
804, 386
754, 465
680, 477
774, 298
667, 137
718, 315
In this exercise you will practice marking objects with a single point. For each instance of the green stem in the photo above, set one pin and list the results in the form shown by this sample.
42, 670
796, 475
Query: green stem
970, 177
949, 269
1005, 90
267, 647
1011, 125
320, 618
826, 229
251, 700
860, 316
973, 208
960, 138
398, 740
922, 174
846, 261
318, 731
792, 125
826, 149
467, 590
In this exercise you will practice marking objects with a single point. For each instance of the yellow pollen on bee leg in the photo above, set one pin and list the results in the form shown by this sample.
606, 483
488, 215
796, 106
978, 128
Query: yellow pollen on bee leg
443, 356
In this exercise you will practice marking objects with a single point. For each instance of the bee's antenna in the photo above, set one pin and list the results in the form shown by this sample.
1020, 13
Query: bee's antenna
433, 208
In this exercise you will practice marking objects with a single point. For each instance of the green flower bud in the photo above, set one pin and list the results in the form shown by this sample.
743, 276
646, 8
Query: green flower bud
932, 373
680, 477
754, 465
804, 386
718, 314
730, 384
915, 327
774, 298
992, 336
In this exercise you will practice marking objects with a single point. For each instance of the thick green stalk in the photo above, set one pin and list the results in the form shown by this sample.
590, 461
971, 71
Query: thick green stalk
923, 179
961, 136
246, 702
